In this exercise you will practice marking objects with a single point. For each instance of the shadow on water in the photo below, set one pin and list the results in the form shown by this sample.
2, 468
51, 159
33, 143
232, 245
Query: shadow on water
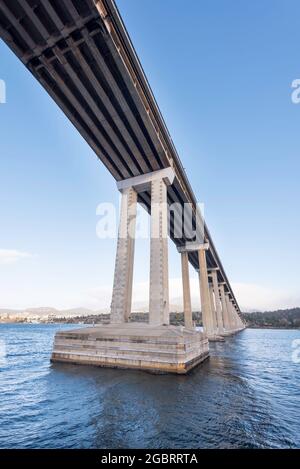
234, 399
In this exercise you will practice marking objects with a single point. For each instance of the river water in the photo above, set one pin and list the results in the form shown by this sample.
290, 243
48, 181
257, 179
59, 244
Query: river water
247, 395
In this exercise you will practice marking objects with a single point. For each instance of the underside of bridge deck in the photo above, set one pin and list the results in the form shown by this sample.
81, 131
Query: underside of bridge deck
81, 54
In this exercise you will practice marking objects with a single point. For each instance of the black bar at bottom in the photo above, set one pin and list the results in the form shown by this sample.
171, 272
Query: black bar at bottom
139, 457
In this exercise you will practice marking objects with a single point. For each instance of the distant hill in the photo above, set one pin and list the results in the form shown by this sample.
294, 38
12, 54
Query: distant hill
48, 311
281, 319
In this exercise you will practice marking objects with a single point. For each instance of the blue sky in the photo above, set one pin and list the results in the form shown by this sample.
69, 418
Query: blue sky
221, 73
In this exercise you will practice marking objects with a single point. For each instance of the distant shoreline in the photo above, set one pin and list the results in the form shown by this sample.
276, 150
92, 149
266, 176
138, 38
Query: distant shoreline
81, 323
280, 319
290, 328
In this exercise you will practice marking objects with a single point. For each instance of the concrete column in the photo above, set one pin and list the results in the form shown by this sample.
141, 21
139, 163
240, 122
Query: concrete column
187, 304
236, 318
159, 280
213, 308
217, 301
122, 289
225, 312
241, 323
230, 312
204, 292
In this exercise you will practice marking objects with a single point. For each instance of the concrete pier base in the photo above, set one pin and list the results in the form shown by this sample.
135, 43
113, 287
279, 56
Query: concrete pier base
216, 338
169, 349
227, 333
232, 332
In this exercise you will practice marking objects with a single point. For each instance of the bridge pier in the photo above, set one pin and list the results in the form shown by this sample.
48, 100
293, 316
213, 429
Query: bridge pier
239, 323
225, 311
219, 316
235, 317
209, 318
122, 287
159, 272
213, 309
156, 346
220, 324
215, 336
187, 303
232, 326
206, 308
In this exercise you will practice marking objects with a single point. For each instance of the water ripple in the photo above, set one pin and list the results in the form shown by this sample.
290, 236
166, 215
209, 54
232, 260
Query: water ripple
246, 395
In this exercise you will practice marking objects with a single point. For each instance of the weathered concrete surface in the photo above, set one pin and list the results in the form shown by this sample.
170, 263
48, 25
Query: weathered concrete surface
159, 270
214, 335
204, 294
187, 303
220, 327
230, 314
122, 290
170, 349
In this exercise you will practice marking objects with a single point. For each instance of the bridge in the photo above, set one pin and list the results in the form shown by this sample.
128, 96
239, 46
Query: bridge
80, 52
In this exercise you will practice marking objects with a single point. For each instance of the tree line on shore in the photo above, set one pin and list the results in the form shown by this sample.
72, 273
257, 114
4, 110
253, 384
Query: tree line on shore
281, 319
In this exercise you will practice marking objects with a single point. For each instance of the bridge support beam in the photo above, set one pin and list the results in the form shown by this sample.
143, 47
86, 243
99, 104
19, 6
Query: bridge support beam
220, 323
187, 304
235, 317
215, 336
209, 318
213, 308
239, 323
156, 346
206, 306
225, 312
204, 294
122, 288
159, 274
232, 326
155, 182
